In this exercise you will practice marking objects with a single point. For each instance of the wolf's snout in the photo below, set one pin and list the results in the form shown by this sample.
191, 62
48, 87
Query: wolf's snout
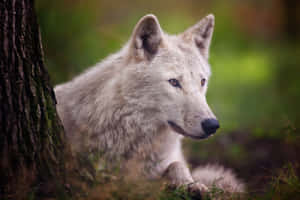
210, 126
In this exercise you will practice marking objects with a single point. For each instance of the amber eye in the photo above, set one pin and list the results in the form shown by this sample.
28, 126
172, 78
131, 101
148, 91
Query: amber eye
174, 82
203, 81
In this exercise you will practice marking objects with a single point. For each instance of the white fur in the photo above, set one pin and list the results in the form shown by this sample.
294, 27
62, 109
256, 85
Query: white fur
218, 176
121, 106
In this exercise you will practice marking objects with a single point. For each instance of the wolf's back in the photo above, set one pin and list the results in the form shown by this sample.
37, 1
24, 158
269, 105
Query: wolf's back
219, 177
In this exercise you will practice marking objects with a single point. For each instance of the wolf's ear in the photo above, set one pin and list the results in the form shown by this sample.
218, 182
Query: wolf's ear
201, 33
146, 37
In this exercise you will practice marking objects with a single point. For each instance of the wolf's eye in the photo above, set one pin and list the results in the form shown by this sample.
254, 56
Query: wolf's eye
175, 83
203, 81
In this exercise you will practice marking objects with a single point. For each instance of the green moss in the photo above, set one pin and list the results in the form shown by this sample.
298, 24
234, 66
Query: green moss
180, 193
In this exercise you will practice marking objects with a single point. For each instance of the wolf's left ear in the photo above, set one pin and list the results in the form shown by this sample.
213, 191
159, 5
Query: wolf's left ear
146, 37
201, 34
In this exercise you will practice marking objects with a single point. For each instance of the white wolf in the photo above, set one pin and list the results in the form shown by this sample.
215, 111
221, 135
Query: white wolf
139, 103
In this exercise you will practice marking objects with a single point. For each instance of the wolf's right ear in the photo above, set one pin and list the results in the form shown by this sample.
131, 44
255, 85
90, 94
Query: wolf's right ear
146, 37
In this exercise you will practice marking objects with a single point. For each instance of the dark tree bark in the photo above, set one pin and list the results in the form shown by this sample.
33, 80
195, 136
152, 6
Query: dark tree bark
291, 18
31, 134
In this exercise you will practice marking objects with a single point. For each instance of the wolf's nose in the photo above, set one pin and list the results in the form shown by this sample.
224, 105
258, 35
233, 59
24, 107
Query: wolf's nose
210, 126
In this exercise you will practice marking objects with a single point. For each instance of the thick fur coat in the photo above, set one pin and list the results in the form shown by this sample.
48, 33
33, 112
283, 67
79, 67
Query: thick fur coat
137, 104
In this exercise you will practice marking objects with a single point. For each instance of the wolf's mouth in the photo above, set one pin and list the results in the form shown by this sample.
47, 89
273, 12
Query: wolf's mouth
181, 131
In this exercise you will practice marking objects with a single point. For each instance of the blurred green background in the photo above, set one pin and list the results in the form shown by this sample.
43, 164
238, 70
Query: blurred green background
255, 56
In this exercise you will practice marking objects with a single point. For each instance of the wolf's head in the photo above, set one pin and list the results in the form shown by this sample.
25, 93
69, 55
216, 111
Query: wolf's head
168, 76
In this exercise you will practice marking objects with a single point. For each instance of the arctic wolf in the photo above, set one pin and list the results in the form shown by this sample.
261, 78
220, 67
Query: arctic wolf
137, 105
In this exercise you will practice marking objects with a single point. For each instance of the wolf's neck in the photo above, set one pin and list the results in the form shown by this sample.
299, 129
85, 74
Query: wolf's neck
124, 132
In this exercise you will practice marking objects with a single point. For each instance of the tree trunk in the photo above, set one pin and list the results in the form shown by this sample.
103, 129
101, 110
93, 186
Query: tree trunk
291, 19
31, 134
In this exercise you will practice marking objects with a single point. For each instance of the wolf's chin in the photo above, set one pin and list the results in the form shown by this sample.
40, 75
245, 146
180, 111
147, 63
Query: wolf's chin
181, 131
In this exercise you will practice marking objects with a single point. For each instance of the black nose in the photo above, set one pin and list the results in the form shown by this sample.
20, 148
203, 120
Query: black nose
210, 126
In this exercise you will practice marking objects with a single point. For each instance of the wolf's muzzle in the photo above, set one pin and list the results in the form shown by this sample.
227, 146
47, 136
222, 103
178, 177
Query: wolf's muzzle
210, 126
